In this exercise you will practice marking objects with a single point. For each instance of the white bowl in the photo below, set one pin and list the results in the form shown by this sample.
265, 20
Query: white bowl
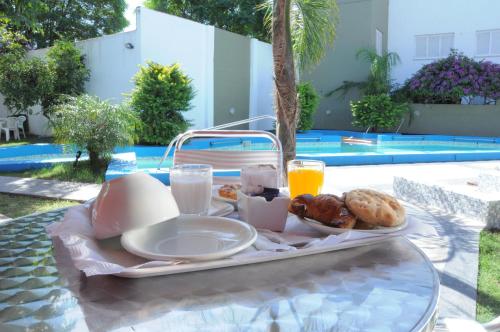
260, 213
130, 202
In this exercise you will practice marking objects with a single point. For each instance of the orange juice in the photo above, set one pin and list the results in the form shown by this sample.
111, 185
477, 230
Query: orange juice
305, 177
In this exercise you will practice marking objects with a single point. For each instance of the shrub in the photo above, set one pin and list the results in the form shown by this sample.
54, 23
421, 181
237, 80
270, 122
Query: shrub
95, 126
24, 82
447, 80
377, 111
308, 104
160, 96
68, 71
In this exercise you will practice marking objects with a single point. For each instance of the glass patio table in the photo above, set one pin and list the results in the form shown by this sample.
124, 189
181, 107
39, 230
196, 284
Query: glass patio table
388, 286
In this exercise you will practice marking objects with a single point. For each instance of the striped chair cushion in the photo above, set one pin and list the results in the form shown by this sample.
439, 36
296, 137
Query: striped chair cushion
226, 159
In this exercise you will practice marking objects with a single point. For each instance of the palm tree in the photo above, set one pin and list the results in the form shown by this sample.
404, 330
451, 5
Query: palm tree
379, 79
301, 32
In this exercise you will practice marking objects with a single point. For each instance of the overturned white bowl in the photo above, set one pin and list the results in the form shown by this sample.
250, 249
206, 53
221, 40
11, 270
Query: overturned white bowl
130, 202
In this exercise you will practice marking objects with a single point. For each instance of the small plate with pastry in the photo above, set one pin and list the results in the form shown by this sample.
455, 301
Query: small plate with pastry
226, 193
362, 210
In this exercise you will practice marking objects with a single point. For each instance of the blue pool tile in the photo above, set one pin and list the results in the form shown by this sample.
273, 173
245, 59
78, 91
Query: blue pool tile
422, 158
472, 156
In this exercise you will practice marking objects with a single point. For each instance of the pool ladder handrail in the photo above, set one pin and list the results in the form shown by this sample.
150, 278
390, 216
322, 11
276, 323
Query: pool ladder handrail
223, 126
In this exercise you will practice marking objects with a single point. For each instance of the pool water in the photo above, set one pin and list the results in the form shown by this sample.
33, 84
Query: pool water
43, 157
153, 162
382, 148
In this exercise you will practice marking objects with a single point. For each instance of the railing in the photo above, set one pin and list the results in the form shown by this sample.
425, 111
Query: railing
222, 126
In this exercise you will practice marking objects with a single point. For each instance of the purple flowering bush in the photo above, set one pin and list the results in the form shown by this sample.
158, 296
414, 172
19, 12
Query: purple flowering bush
447, 80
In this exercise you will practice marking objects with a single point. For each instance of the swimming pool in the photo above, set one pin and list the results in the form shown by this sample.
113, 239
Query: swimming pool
34, 156
329, 146
376, 149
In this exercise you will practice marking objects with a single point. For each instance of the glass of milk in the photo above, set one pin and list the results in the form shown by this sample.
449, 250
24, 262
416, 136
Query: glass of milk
192, 187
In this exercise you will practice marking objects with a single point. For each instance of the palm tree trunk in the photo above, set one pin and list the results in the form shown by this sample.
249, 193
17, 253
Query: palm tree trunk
284, 78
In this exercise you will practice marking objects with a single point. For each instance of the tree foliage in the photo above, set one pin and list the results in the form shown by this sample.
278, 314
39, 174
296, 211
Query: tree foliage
24, 83
45, 21
27, 81
308, 104
11, 42
160, 96
235, 16
94, 125
69, 74
312, 28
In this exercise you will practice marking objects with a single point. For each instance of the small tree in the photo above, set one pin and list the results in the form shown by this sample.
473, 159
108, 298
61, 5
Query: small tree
69, 74
308, 104
24, 82
160, 96
94, 125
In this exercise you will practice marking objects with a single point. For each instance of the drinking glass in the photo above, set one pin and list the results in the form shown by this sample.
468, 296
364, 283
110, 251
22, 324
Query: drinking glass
305, 177
192, 187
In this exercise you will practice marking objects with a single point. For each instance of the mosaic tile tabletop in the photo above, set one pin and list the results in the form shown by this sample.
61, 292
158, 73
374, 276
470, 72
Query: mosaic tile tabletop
389, 286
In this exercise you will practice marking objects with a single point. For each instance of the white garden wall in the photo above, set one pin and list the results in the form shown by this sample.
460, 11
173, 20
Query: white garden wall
464, 18
261, 83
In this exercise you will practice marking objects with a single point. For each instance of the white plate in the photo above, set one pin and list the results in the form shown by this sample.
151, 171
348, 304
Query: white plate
192, 238
332, 230
220, 209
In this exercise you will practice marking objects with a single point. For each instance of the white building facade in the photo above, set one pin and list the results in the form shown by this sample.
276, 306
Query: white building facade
421, 31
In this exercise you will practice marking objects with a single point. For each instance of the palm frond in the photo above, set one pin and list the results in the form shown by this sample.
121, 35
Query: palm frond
313, 24
267, 7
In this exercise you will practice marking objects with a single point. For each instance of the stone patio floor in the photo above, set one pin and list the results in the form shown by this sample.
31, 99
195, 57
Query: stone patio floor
451, 242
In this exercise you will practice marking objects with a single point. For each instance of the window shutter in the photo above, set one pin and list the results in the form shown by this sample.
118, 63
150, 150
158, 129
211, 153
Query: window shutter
421, 46
495, 42
483, 43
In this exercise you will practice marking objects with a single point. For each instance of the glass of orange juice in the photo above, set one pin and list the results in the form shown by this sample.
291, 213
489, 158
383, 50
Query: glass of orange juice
305, 177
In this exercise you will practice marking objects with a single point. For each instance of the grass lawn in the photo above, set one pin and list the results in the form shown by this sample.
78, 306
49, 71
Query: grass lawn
488, 288
14, 206
62, 172
24, 141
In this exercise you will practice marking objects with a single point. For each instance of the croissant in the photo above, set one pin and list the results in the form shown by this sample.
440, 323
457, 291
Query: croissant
328, 209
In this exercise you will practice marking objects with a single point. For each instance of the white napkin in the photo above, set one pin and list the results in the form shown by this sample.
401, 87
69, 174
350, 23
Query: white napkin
96, 257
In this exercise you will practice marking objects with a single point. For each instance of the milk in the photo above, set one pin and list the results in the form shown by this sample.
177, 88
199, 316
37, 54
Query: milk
193, 193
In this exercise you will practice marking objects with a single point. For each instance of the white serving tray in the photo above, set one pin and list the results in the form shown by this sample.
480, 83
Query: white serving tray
228, 262
108, 257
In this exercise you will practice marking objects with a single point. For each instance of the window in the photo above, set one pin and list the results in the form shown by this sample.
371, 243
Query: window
488, 42
379, 40
433, 46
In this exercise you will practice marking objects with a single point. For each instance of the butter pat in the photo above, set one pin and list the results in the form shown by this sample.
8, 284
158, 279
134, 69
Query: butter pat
255, 178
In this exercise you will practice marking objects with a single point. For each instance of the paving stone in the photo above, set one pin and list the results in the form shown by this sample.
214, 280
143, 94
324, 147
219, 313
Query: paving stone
48, 188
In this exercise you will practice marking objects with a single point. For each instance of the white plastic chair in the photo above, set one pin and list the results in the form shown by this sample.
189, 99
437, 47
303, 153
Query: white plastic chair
20, 124
10, 125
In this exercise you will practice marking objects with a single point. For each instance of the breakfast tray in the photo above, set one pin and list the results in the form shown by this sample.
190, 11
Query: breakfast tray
106, 257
